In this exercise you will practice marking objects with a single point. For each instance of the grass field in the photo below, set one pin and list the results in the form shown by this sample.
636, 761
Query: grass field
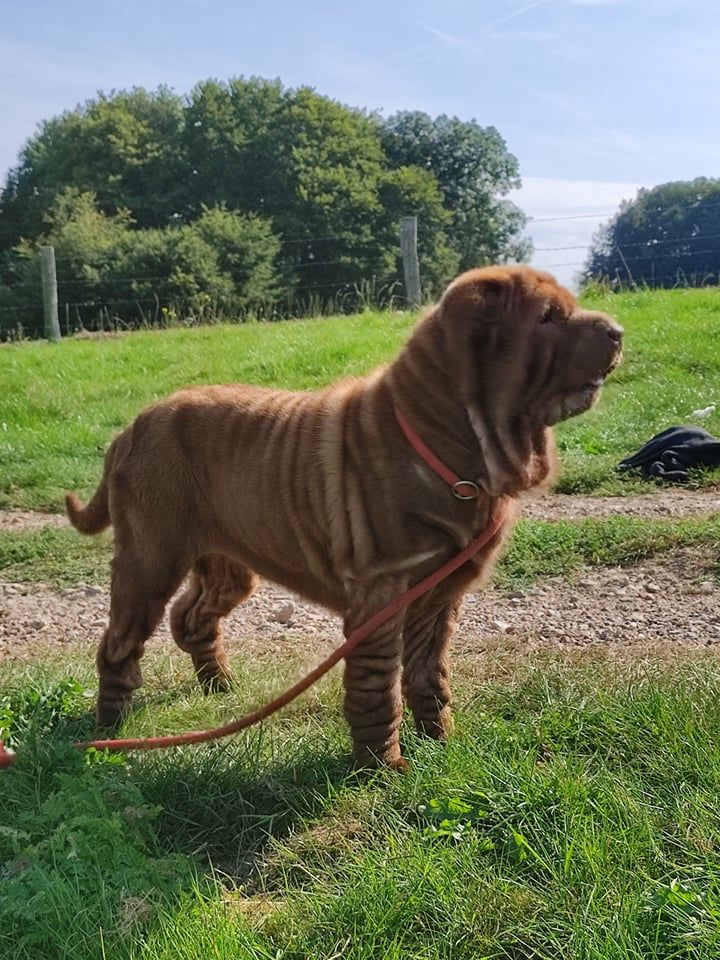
574, 814
60, 405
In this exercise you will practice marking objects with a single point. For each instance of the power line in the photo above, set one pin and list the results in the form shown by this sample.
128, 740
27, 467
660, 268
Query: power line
576, 216
699, 206
301, 265
311, 239
100, 302
22, 308
652, 242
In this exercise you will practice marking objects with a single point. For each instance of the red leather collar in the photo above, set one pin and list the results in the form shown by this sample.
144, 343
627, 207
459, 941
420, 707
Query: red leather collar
462, 489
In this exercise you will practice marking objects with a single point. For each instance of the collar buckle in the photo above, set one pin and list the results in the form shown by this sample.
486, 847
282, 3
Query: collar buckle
465, 490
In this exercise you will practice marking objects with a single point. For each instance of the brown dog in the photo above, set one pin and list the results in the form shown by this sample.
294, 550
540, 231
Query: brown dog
323, 493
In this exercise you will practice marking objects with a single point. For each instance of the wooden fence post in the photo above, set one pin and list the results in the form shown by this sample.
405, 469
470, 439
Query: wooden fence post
411, 267
49, 289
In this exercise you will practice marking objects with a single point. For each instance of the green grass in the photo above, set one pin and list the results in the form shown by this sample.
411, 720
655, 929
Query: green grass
60, 405
55, 555
574, 814
559, 549
537, 549
671, 367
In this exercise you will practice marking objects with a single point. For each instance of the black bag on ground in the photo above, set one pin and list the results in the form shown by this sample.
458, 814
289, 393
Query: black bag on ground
673, 453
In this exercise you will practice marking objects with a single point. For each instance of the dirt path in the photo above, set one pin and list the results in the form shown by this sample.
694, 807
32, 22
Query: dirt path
674, 598
23, 520
671, 502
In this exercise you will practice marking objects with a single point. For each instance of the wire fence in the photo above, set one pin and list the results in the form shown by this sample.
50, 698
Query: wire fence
129, 302
116, 304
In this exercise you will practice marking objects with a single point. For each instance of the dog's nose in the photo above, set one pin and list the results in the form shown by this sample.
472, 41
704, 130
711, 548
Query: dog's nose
615, 332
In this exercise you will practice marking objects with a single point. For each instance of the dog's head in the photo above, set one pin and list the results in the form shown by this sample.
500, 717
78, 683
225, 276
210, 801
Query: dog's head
525, 356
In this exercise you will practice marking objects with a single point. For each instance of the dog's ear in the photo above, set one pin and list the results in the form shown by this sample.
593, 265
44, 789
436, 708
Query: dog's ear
481, 295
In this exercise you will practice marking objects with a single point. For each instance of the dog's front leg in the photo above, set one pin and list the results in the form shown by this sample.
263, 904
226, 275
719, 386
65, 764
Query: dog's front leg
429, 627
373, 700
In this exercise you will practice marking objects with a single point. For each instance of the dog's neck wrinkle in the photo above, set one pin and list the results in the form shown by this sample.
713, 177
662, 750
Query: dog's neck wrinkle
419, 385
447, 420
514, 466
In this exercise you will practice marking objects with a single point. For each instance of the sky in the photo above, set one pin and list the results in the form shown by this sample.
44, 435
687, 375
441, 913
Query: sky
595, 98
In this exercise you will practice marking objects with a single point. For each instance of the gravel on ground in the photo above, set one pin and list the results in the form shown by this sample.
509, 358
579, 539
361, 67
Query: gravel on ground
663, 503
673, 598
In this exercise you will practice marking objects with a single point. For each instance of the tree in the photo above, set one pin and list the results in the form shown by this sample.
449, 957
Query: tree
124, 148
222, 264
173, 270
85, 239
321, 165
247, 251
666, 236
413, 190
223, 125
86, 243
474, 171
268, 192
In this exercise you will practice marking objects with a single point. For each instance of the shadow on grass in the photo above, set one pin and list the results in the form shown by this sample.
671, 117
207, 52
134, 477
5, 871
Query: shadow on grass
94, 842
226, 802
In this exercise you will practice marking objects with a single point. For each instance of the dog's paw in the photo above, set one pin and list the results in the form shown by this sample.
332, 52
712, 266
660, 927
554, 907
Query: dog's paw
370, 762
221, 682
400, 765
109, 714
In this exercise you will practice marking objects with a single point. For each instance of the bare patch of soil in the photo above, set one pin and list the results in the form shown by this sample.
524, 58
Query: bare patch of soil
673, 599
663, 503
19, 521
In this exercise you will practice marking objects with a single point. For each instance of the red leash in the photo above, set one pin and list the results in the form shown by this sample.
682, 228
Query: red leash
7, 756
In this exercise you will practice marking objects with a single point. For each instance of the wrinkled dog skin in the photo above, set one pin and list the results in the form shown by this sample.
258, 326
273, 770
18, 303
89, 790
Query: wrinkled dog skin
321, 492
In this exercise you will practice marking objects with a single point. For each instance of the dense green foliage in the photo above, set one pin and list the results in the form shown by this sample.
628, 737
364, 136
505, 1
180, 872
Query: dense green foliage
223, 261
667, 236
472, 167
302, 194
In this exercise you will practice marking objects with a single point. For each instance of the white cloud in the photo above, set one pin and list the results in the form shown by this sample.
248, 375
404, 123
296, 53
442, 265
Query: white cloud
555, 196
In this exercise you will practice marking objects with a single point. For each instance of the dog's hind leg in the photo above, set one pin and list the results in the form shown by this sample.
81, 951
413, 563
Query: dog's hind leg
426, 672
142, 583
217, 585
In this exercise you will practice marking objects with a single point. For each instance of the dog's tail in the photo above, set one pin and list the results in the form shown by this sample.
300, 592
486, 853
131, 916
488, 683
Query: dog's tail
95, 515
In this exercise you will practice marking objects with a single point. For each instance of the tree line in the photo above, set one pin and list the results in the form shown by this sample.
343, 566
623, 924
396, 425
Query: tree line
667, 236
246, 197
